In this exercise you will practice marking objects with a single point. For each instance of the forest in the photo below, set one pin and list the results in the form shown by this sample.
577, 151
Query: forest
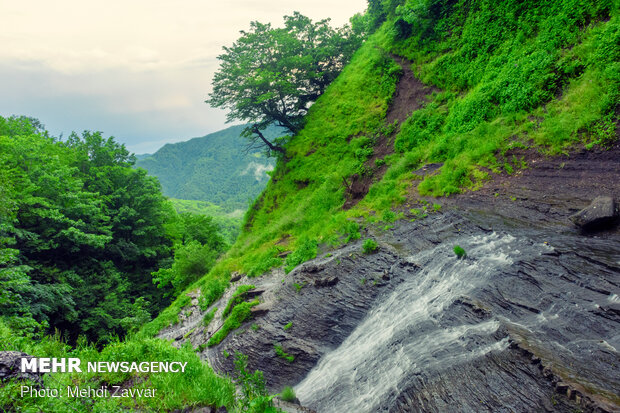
82, 232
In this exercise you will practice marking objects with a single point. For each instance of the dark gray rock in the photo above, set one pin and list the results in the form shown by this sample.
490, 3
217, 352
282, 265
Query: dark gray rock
326, 282
253, 293
550, 307
235, 276
601, 212
10, 364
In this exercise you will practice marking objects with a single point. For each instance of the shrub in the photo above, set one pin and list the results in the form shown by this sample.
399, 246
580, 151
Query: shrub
352, 231
369, 246
282, 354
459, 251
254, 396
288, 394
388, 216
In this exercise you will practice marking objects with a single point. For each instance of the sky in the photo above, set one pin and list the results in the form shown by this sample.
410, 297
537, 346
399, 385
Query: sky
137, 70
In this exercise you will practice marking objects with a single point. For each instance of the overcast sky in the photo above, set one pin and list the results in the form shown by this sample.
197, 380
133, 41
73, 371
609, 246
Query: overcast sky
135, 69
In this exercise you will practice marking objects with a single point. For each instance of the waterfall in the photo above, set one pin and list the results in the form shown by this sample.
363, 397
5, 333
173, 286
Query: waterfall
405, 334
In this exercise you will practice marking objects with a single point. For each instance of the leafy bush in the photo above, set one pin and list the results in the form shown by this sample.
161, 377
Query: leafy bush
288, 394
459, 251
352, 231
369, 246
254, 397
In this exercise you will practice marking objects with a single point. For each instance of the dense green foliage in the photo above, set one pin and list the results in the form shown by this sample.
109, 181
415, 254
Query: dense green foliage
240, 313
271, 76
236, 298
198, 245
369, 246
81, 232
229, 223
214, 168
515, 74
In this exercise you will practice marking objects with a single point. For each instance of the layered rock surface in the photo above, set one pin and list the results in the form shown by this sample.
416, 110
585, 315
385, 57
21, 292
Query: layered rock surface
530, 321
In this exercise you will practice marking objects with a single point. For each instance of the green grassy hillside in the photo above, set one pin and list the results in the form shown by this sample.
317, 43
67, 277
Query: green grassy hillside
541, 75
213, 168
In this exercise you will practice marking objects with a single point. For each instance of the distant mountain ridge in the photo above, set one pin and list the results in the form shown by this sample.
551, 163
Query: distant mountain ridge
213, 168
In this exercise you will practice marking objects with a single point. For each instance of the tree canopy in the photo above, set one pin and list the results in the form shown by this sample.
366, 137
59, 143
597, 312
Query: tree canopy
273, 75
81, 231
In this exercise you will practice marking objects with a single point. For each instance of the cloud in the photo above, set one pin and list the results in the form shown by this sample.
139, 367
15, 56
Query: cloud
138, 70
258, 170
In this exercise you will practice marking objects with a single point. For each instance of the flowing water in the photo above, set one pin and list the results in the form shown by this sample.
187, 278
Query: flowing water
405, 334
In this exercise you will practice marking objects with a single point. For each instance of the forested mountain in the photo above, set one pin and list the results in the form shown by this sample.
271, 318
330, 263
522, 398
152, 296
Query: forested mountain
213, 168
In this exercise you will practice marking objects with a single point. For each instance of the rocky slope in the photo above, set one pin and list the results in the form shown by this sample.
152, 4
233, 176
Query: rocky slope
529, 321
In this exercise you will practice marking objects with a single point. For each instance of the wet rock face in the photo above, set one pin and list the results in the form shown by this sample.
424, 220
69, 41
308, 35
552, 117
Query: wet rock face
321, 301
602, 212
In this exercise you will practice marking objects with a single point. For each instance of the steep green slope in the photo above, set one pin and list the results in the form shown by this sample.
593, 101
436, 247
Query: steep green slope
213, 168
521, 74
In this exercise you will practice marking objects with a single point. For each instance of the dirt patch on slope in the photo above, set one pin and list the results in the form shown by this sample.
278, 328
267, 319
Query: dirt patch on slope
410, 95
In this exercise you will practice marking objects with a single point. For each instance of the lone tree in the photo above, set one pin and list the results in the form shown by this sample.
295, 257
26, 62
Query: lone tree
271, 76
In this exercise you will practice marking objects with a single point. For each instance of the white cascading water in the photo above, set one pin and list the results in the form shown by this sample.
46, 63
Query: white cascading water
402, 335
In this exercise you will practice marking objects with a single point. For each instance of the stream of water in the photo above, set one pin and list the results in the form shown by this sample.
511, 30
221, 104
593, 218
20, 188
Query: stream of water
405, 334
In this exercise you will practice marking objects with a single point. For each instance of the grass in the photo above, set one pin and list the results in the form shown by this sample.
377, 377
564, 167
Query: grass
229, 223
240, 313
282, 354
208, 317
236, 298
197, 386
369, 246
306, 251
288, 326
